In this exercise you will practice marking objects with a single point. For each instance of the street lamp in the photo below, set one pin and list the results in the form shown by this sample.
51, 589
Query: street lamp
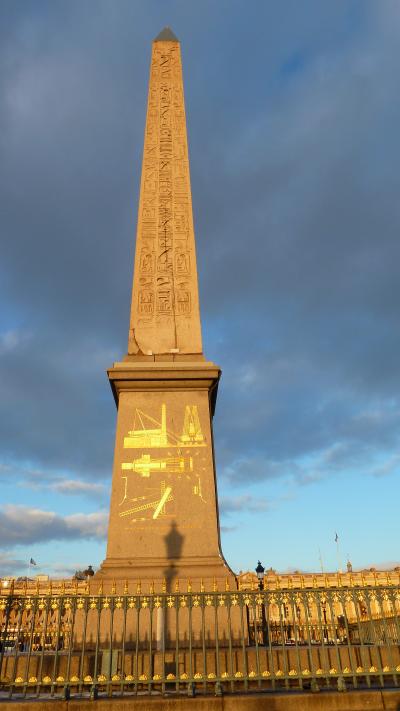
264, 628
260, 574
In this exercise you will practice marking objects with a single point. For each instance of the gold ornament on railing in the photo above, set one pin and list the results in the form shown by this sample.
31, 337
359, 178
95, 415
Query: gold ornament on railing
139, 588
113, 587
126, 588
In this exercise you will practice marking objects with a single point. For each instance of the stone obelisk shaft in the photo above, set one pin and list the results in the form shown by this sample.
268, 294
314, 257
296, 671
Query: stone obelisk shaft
165, 314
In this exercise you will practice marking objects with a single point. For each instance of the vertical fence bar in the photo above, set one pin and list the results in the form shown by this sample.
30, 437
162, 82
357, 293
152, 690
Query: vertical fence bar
190, 639
230, 658
283, 632
350, 647
82, 659
176, 605
96, 650
309, 628
57, 644
17, 632
271, 666
362, 649
31, 642
136, 661
243, 611
125, 612
334, 633
255, 610
321, 633
46, 604
381, 598
296, 635
374, 636
4, 633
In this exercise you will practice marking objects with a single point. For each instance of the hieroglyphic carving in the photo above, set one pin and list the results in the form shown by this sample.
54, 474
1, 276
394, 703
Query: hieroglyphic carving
165, 242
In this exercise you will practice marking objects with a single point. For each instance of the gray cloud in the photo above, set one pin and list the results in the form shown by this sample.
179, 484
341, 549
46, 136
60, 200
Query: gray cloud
72, 487
243, 504
22, 524
10, 565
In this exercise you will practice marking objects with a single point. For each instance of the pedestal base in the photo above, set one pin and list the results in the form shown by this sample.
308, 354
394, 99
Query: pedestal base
208, 571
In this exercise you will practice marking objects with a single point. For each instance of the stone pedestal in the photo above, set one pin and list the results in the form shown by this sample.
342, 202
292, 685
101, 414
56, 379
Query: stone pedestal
164, 514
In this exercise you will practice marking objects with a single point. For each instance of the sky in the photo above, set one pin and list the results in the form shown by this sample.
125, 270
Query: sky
293, 114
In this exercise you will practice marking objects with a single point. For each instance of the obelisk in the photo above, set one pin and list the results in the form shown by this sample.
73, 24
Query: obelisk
164, 513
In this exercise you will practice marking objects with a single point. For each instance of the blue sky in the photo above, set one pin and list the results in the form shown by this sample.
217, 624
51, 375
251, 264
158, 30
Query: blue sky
293, 113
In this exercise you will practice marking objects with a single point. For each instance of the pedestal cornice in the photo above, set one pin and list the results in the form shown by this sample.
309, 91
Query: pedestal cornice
166, 376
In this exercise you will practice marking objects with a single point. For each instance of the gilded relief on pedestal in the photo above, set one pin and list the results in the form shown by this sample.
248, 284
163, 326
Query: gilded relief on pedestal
157, 484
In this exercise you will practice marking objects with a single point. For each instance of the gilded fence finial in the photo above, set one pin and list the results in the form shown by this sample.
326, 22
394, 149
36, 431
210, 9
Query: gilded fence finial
214, 585
37, 587
76, 587
278, 582
351, 580
201, 585
265, 583
189, 586
339, 580
290, 582
177, 586
63, 587
101, 588
126, 588
139, 588
302, 584
227, 587
152, 587
25, 586
164, 585
113, 587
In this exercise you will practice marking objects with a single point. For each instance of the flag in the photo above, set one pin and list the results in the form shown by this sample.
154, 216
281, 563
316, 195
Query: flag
336, 537
32, 562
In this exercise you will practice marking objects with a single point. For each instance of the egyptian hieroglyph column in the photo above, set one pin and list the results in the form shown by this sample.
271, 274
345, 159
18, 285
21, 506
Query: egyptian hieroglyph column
164, 512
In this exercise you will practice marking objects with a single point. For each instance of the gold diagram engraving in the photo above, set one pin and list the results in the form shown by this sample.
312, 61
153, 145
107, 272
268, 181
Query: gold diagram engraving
180, 469
145, 465
160, 436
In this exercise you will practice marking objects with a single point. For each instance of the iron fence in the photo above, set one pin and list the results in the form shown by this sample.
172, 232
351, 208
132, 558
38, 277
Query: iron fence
77, 643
